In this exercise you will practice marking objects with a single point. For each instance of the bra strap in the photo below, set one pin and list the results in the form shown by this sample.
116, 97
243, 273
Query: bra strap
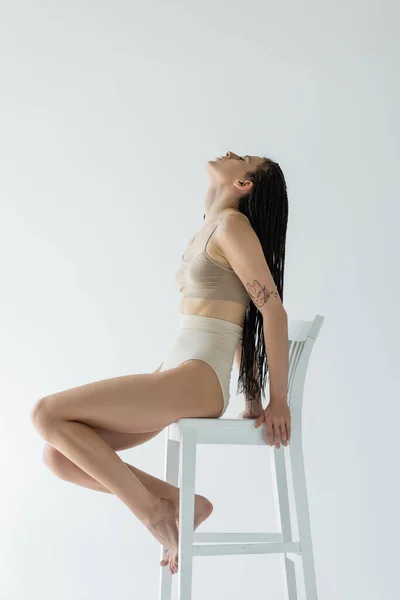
212, 231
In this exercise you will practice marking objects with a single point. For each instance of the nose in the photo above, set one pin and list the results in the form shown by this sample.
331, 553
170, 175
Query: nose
230, 154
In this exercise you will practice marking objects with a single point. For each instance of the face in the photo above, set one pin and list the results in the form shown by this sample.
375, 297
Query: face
231, 169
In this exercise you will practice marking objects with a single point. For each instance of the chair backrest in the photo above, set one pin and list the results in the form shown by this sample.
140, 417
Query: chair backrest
302, 336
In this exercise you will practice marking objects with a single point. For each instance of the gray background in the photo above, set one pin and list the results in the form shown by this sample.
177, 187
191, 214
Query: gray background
109, 113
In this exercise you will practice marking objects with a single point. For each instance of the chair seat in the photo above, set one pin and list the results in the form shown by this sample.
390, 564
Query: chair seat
220, 431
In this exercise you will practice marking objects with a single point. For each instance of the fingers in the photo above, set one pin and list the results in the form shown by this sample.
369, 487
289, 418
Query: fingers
259, 420
284, 435
277, 430
277, 436
269, 431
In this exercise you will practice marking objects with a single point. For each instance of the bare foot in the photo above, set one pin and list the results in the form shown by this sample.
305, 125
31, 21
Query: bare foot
202, 510
162, 524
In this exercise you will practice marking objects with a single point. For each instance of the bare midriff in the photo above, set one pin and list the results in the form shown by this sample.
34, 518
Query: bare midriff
217, 309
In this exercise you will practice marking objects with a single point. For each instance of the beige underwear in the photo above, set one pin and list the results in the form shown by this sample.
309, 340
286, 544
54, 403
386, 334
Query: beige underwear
212, 340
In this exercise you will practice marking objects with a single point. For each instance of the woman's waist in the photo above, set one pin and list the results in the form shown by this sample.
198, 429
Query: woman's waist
209, 331
225, 310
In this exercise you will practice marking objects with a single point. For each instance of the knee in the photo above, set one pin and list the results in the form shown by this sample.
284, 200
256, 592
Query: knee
55, 461
42, 415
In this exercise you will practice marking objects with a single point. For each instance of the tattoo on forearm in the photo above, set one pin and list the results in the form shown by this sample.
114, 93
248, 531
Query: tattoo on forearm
259, 294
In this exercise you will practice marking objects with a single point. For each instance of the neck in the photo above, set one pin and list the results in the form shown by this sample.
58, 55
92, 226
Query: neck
217, 201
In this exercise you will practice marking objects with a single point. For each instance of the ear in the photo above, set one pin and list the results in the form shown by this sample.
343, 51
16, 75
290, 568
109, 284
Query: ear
243, 186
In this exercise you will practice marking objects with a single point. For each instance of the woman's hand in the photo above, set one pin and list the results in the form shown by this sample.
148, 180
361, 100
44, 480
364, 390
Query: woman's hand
277, 423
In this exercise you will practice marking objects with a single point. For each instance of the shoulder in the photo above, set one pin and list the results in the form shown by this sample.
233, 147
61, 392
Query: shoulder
236, 235
235, 225
234, 220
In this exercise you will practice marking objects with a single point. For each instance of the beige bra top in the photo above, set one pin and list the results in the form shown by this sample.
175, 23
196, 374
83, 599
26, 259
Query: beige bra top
203, 277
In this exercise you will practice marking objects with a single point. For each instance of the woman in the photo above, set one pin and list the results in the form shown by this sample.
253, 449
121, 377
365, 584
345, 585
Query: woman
231, 308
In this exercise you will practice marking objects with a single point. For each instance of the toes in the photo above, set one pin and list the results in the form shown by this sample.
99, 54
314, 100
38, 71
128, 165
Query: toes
165, 559
173, 565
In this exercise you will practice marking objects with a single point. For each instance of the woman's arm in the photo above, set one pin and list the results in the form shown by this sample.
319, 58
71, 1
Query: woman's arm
242, 248
275, 326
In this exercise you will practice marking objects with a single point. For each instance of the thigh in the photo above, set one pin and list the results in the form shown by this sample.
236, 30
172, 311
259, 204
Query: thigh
123, 441
140, 402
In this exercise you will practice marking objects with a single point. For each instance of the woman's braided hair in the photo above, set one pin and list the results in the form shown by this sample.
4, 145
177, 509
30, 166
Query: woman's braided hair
266, 207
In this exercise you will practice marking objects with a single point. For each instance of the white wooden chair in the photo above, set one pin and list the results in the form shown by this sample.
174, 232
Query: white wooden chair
180, 468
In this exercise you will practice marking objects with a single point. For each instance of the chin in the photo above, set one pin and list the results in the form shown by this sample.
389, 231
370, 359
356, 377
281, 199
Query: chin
212, 162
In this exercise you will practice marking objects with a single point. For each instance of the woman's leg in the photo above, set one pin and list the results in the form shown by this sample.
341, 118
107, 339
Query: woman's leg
61, 466
130, 404
66, 470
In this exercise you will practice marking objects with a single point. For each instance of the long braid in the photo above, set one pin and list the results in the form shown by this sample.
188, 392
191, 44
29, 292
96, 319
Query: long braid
266, 207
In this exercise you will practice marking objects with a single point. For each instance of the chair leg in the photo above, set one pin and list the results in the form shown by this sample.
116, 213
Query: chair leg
290, 571
303, 517
282, 511
171, 475
187, 469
